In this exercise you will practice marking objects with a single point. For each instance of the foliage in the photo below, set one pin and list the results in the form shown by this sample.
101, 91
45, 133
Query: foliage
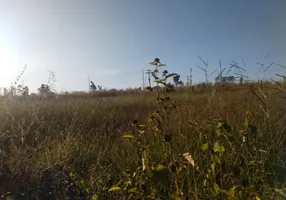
23, 91
177, 80
44, 89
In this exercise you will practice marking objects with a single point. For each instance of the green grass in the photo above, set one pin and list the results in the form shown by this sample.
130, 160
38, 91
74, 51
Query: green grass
73, 147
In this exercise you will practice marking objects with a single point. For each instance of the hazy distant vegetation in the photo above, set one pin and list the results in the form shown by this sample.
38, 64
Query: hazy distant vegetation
177, 141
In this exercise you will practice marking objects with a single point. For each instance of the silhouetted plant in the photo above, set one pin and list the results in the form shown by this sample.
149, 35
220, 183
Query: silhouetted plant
44, 89
92, 86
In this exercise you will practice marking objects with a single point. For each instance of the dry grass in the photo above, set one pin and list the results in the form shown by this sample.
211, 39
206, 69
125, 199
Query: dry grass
46, 146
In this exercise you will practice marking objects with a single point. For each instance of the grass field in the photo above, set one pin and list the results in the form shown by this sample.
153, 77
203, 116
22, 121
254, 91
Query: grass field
227, 143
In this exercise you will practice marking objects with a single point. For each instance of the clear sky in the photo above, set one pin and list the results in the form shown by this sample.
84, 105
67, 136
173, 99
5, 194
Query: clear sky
113, 40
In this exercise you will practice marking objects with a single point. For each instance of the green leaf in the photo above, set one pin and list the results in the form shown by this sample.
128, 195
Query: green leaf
218, 128
128, 136
218, 132
205, 147
72, 174
227, 193
160, 167
162, 65
126, 174
127, 184
82, 182
232, 191
148, 171
218, 147
223, 126
160, 81
95, 197
171, 75
205, 183
178, 169
152, 63
133, 190
142, 126
154, 75
114, 188
216, 188
217, 159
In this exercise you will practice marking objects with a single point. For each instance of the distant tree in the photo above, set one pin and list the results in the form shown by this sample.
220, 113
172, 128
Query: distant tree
25, 91
22, 91
99, 87
44, 89
224, 79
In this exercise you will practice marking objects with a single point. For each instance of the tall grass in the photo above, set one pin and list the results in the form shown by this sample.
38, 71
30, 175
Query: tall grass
193, 144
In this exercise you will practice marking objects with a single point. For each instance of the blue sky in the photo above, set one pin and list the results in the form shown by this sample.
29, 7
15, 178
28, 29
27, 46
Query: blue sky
114, 40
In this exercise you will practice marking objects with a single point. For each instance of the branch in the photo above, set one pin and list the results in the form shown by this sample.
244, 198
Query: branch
268, 66
205, 63
201, 68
